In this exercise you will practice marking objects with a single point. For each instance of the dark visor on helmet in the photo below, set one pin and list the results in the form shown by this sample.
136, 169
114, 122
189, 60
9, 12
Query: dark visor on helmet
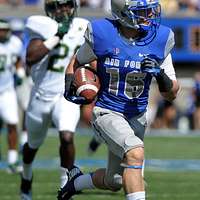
52, 7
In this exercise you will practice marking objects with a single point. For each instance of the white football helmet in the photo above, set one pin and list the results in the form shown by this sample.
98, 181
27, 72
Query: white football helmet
61, 10
5, 30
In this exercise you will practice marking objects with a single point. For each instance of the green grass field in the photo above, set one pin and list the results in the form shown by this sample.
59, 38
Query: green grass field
162, 185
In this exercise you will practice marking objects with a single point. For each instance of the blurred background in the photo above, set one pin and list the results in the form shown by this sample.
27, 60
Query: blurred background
170, 124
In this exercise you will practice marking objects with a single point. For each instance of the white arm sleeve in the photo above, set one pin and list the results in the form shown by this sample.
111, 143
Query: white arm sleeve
168, 67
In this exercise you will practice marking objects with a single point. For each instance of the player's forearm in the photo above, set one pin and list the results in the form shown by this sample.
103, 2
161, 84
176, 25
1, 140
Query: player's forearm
18, 63
172, 93
38, 49
167, 87
35, 52
72, 65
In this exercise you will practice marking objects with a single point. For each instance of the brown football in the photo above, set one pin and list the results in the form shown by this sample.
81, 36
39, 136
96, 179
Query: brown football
87, 83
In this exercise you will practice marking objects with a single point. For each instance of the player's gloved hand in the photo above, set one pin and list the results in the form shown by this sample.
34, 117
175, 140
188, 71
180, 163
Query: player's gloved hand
17, 80
62, 30
78, 100
151, 64
71, 96
19, 76
70, 91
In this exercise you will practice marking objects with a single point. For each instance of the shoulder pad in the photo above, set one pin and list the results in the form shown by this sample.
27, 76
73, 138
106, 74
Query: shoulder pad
79, 24
42, 25
80, 21
170, 43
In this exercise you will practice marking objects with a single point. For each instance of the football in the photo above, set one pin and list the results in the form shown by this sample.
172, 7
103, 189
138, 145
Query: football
87, 83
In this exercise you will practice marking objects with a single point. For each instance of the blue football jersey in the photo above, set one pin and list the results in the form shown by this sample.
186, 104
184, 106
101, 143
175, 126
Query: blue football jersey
124, 88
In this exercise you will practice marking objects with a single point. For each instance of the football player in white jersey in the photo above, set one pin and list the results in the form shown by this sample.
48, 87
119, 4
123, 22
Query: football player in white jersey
10, 61
53, 41
23, 83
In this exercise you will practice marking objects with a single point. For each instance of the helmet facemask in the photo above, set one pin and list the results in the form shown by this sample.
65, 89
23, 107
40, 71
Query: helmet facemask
5, 31
62, 11
142, 16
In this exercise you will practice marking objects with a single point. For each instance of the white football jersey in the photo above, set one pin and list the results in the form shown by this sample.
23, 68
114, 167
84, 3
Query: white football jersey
9, 51
48, 74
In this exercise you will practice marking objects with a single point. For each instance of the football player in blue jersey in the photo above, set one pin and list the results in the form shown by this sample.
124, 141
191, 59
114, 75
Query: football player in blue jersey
126, 52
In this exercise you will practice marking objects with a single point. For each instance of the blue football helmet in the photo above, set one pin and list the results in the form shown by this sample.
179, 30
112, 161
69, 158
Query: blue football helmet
142, 15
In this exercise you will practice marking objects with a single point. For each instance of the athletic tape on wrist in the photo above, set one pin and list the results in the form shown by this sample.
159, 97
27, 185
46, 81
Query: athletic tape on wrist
51, 42
21, 72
